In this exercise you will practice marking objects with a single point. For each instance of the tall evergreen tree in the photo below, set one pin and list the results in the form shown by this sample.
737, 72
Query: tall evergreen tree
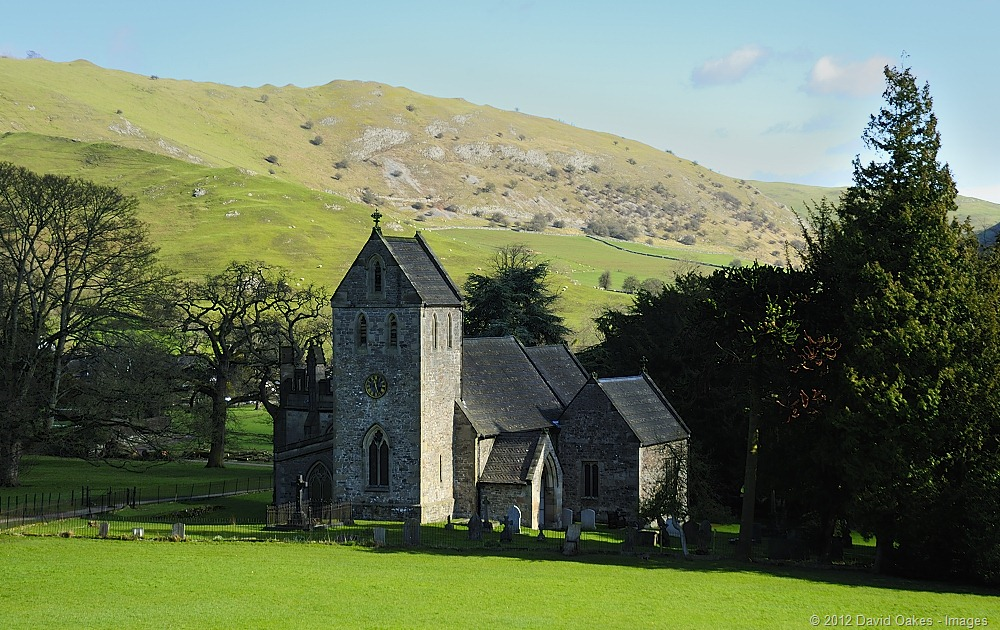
902, 287
514, 300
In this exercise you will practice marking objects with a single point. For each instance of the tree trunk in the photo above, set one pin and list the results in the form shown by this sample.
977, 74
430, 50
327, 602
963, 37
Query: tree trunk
10, 464
744, 550
220, 413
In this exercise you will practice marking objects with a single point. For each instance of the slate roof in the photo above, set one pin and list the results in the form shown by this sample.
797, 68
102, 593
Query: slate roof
560, 369
510, 460
502, 391
424, 271
651, 417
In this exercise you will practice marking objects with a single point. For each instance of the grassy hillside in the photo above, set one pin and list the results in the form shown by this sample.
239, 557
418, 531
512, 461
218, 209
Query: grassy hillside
800, 198
436, 161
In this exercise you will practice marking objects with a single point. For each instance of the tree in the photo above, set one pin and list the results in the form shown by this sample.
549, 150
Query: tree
630, 284
77, 272
235, 323
915, 305
514, 300
604, 281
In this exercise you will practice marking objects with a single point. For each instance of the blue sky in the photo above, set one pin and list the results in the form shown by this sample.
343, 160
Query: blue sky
772, 90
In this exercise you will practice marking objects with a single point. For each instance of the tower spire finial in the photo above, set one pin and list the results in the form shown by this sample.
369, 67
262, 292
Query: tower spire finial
377, 216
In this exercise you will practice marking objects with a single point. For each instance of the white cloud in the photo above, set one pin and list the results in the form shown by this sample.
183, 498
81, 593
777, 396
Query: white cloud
731, 68
862, 78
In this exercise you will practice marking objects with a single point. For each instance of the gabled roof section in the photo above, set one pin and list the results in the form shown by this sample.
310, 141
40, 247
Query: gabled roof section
511, 458
424, 270
650, 416
501, 389
560, 369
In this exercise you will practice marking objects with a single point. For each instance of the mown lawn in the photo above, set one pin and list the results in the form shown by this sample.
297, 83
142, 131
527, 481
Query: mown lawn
62, 583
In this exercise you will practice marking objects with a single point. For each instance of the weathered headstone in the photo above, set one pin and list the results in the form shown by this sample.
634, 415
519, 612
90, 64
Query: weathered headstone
573, 533
449, 526
102, 529
507, 533
514, 519
486, 508
411, 532
705, 536
178, 531
475, 528
567, 517
628, 544
379, 534
588, 519
690, 529
571, 546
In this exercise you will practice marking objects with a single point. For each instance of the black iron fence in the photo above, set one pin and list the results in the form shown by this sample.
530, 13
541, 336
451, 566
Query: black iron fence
87, 501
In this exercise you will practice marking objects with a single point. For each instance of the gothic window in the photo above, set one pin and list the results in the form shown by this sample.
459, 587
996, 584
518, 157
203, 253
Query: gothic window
590, 479
434, 331
449, 331
362, 331
320, 485
393, 326
377, 450
376, 276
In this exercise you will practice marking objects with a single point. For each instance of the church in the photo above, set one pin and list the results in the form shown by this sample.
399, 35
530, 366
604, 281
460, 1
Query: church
409, 413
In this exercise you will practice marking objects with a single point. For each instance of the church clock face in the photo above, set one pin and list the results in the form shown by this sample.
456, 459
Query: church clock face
376, 385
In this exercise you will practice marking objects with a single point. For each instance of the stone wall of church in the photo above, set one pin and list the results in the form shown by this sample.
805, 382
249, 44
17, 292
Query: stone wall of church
440, 383
502, 496
592, 432
464, 465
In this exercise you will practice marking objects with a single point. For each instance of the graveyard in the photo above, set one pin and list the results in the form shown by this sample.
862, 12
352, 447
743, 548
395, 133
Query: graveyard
215, 563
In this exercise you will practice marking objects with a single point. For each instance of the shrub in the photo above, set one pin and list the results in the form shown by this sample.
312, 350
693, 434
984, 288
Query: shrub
307, 124
369, 197
318, 140
410, 108
559, 224
688, 239
339, 164
272, 159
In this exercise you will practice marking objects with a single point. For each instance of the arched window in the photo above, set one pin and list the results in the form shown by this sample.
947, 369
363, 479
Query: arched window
449, 331
377, 451
376, 276
362, 331
434, 331
393, 326
320, 485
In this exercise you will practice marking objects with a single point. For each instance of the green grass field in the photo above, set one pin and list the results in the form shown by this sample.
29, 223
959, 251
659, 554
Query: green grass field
62, 583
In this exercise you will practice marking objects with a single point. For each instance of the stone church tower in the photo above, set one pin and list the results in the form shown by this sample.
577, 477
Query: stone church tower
397, 365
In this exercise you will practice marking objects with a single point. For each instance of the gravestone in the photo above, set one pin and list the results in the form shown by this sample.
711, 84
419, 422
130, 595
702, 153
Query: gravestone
573, 533
690, 529
571, 546
588, 519
449, 526
102, 529
705, 536
567, 517
138, 532
475, 528
411, 532
379, 534
628, 544
514, 519
486, 508
507, 533
178, 531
